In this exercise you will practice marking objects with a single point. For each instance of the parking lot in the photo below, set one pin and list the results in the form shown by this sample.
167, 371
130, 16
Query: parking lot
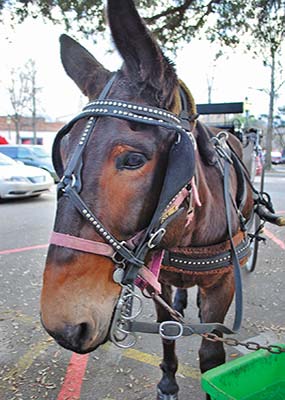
32, 366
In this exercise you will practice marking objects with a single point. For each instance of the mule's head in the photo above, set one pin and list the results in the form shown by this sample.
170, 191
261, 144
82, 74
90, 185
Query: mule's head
121, 178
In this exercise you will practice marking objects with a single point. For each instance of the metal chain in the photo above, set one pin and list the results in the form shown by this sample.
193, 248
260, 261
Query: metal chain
173, 313
212, 337
253, 346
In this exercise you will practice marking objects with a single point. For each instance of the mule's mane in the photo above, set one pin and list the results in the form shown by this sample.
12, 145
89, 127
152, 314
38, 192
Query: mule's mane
191, 102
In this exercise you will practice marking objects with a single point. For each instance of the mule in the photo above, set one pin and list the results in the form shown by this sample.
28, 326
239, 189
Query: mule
125, 162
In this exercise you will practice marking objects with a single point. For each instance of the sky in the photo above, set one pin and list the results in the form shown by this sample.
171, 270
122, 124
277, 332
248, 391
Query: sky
235, 77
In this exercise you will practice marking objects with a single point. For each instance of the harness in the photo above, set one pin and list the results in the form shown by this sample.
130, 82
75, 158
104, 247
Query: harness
206, 259
129, 257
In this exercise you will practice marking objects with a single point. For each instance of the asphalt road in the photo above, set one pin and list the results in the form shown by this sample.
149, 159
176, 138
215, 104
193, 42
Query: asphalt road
32, 366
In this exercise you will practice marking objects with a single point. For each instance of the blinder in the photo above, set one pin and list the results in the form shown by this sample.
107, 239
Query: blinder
179, 172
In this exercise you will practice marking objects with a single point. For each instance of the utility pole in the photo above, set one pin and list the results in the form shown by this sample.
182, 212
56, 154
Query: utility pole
269, 130
34, 104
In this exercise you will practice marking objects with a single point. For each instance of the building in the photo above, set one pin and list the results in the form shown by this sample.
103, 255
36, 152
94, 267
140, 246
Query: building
46, 131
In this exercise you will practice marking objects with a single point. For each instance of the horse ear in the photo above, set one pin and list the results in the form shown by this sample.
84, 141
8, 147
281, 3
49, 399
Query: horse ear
88, 74
143, 58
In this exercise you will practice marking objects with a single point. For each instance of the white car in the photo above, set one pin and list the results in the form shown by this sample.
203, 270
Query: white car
19, 180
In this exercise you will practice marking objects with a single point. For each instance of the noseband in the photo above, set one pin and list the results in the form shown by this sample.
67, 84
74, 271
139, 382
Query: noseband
128, 257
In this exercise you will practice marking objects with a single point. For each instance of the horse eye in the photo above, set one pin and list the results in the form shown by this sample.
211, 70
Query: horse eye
130, 160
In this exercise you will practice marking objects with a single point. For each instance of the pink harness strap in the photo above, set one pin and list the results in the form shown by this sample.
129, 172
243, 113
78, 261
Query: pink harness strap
184, 193
147, 276
195, 193
76, 243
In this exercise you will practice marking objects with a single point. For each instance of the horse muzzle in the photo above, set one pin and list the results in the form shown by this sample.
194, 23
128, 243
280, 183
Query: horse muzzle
81, 338
78, 300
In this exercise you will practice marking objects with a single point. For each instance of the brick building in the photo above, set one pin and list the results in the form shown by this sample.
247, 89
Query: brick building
46, 131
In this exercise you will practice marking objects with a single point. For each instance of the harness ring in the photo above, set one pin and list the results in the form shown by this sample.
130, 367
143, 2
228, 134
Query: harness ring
156, 235
164, 325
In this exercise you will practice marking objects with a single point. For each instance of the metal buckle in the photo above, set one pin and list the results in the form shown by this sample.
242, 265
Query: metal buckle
71, 184
119, 261
158, 234
163, 326
220, 144
222, 136
220, 139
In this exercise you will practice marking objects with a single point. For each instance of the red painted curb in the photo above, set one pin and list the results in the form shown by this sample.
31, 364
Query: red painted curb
71, 386
20, 249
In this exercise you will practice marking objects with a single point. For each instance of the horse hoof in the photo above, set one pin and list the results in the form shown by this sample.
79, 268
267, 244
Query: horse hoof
164, 396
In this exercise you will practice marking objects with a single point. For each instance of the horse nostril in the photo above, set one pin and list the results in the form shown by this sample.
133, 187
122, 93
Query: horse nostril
76, 335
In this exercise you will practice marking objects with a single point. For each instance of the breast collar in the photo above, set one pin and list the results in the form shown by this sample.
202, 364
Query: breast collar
129, 259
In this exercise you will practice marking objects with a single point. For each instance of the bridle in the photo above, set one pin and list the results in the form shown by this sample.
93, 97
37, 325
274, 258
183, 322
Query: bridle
128, 258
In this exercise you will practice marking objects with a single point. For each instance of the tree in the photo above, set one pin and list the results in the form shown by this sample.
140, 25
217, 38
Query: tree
171, 21
19, 97
279, 128
278, 140
269, 34
22, 93
31, 74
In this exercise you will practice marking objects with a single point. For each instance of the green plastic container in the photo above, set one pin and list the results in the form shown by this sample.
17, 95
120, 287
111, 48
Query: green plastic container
256, 376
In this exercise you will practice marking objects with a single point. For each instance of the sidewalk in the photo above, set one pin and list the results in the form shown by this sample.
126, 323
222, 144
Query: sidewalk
278, 170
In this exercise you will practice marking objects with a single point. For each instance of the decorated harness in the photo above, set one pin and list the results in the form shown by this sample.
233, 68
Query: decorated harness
129, 257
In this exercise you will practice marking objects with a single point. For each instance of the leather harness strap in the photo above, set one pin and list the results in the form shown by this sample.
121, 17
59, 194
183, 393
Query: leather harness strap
77, 243
206, 258
172, 330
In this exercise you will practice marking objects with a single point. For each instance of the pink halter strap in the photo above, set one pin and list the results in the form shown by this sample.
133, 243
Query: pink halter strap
146, 275
76, 243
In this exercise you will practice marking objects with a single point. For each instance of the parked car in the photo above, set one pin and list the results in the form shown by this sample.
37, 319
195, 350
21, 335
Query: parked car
34, 155
275, 157
20, 180
278, 157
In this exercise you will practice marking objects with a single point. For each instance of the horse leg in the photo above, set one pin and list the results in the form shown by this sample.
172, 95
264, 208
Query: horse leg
198, 303
215, 301
167, 388
180, 300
